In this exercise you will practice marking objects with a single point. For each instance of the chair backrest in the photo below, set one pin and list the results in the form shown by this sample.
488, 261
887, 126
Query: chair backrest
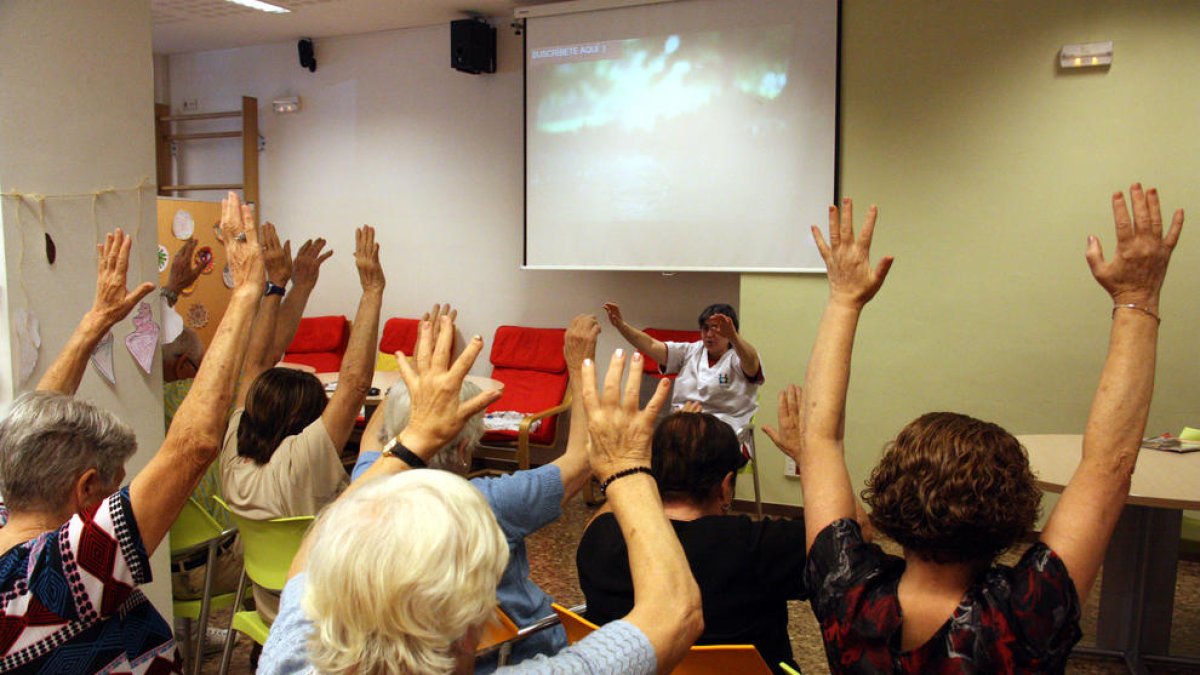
499, 628
649, 365
575, 625
320, 342
268, 546
193, 526
700, 659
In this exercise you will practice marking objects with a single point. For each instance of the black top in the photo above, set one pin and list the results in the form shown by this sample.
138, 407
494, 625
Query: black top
1021, 619
746, 570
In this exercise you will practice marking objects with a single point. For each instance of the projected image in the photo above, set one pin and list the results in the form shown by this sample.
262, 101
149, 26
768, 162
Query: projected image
642, 83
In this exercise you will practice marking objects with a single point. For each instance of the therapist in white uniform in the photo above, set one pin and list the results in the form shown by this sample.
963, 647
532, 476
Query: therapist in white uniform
721, 372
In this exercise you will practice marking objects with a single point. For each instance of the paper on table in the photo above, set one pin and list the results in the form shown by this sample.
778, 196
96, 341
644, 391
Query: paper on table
1189, 434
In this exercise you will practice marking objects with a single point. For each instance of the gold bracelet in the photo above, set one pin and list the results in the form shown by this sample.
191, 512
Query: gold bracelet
1137, 307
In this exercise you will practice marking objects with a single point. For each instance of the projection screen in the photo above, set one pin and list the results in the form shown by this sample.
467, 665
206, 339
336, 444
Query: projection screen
696, 135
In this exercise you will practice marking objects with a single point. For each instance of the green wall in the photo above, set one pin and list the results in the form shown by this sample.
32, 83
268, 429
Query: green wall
990, 168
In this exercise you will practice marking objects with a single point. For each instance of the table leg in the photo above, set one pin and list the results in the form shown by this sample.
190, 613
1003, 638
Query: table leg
1137, 595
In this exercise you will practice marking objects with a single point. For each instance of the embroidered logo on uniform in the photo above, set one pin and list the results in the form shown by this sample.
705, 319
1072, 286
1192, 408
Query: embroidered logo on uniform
723, 379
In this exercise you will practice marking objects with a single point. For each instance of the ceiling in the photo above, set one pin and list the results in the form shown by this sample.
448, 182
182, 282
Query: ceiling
202, 25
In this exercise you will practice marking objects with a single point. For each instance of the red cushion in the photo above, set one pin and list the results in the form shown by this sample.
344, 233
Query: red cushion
399, 335
323, 362
529, 391
649, 365
538, 349
320, 334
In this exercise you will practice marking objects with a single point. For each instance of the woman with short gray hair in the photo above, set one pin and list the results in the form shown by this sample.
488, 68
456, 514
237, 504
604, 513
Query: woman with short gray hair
75, 544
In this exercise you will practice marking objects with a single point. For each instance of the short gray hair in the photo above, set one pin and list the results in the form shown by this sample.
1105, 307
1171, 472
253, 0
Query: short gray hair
49, 440
399, 408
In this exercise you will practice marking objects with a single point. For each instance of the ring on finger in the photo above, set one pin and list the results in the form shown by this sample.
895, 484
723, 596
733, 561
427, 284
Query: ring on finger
241, 236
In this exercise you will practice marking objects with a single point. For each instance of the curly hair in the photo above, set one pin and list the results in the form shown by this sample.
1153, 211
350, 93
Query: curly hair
952, 488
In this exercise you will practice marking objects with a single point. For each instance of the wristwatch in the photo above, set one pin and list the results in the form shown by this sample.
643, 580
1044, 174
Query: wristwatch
396, 450
272, 289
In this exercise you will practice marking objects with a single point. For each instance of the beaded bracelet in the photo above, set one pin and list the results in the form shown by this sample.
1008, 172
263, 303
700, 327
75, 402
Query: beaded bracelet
1137, 307
621, 474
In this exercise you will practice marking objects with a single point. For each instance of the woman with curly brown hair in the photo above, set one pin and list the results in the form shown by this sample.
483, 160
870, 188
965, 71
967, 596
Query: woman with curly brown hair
955, 492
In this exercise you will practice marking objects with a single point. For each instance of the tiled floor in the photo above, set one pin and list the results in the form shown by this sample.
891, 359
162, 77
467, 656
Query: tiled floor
552, 565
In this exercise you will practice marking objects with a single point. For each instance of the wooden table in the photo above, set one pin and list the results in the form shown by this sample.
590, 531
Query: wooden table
1137, 594
384, 379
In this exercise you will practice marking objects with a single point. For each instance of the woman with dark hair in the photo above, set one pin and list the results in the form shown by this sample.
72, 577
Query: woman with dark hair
721, 372
747, 570
282, 447
955, 492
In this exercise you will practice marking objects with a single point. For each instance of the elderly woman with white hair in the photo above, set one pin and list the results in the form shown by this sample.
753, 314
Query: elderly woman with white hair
523, 502
76, 544
400, 573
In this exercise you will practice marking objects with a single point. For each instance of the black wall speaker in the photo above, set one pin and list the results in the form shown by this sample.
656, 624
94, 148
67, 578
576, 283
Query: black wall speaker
307, 58
472, 46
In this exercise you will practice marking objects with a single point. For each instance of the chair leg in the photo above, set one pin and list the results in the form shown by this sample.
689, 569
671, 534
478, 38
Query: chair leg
757, 494
205, 601
227, 652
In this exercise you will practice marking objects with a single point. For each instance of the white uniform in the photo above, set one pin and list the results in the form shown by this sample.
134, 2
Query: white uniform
723, 390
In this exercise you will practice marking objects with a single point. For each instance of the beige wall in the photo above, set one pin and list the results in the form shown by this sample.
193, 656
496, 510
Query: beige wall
76, 116
990, 169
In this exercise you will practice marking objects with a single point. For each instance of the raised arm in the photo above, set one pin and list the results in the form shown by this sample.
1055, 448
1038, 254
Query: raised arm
666, 599
184, 271
358, 364
746, 352
306, 269
655, 349
828, 495
278, 263
159, 491
434, 386
112, 304
579, 345
1083, 521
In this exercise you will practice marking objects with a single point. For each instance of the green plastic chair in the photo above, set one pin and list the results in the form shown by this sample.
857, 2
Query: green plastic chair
193, 532
268, 547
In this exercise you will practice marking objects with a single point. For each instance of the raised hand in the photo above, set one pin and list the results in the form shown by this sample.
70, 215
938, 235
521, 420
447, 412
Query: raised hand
434, 385
185, 269
277, 259
691, 407
789, 437
242, 248
366, 258
306, 268
724, 326
113, 302
614, 314
620, 433
580, 341
1134, 274
848, 258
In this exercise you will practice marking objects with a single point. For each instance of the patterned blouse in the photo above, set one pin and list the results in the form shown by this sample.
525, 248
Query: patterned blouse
1021, 619
69, 602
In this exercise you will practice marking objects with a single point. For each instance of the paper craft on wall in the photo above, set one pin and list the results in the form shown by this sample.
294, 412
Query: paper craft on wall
172, 323
183, 226
102, 358
29, 341
164, 257
51, 249
198, 316
144, 339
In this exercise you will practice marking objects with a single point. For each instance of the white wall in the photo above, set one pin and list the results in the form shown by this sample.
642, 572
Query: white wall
76, 116
390, 135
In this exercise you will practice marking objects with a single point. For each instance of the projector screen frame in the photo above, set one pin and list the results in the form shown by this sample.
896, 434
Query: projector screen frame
580, 6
